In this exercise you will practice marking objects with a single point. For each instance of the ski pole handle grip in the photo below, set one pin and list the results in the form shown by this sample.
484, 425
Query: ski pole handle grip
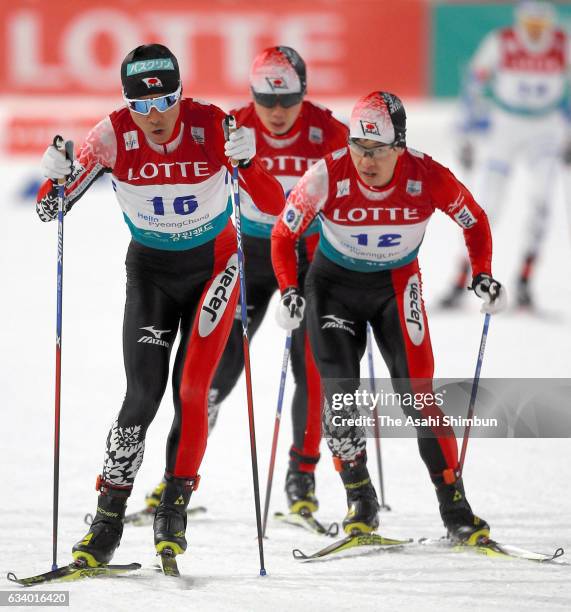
58, 143
231, 126
66, 148
231, 123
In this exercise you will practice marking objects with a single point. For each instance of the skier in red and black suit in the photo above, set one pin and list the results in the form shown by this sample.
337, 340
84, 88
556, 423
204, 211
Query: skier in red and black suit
374, 199
292, 134
168, 159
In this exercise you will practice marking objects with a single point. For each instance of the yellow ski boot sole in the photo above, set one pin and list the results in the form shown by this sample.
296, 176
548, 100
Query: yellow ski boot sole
303, 505
86, 557
176, 548
357, 528
477, 536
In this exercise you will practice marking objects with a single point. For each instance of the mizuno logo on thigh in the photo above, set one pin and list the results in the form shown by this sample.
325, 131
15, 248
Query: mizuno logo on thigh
156, 338
335, 322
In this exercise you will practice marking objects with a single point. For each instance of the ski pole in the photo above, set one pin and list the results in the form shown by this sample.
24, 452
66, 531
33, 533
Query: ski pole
231, 124
384, 506
472, 405
67, 149
276, 431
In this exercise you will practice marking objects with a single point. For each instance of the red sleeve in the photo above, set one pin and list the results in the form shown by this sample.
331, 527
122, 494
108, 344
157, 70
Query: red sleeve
306, 199
263, 188
284, 258
454, 199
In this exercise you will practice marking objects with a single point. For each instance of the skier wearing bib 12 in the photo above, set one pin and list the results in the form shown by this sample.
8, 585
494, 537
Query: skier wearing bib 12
168, 160
374, 199
292, 134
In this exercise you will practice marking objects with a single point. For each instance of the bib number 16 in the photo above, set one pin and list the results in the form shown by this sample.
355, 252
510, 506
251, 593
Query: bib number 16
182, 205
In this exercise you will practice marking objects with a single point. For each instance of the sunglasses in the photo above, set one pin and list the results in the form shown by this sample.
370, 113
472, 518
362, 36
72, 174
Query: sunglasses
284, 100
161, 103
372, 152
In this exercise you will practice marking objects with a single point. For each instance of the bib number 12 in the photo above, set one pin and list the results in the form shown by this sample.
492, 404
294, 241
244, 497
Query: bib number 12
385, 240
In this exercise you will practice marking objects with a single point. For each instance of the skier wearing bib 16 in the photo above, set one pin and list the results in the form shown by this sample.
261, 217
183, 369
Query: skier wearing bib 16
374, 199
168, 160
525, 68
292, 134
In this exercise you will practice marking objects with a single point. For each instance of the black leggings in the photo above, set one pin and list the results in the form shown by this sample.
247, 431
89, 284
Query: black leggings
340, 303
167, 290
261, 285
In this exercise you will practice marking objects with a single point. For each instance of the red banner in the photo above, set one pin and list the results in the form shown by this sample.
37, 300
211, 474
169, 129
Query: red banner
351, 47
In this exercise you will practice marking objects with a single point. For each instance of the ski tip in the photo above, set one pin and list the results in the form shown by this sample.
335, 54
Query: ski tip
88, 518
297, 554
558, 553
12, 577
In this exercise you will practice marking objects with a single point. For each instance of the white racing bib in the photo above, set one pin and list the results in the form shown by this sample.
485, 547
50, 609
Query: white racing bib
175, 216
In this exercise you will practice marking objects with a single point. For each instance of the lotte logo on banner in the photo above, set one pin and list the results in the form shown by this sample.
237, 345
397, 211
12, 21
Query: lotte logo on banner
78, 48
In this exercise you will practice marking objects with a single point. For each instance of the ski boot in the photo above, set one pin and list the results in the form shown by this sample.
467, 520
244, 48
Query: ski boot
153, 499
523, 295
363, 508
453, 298
300, 492
170, 516
104, 535
462, 524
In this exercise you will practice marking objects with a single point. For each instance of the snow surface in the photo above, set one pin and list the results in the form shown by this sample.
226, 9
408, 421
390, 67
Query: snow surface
520, 486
